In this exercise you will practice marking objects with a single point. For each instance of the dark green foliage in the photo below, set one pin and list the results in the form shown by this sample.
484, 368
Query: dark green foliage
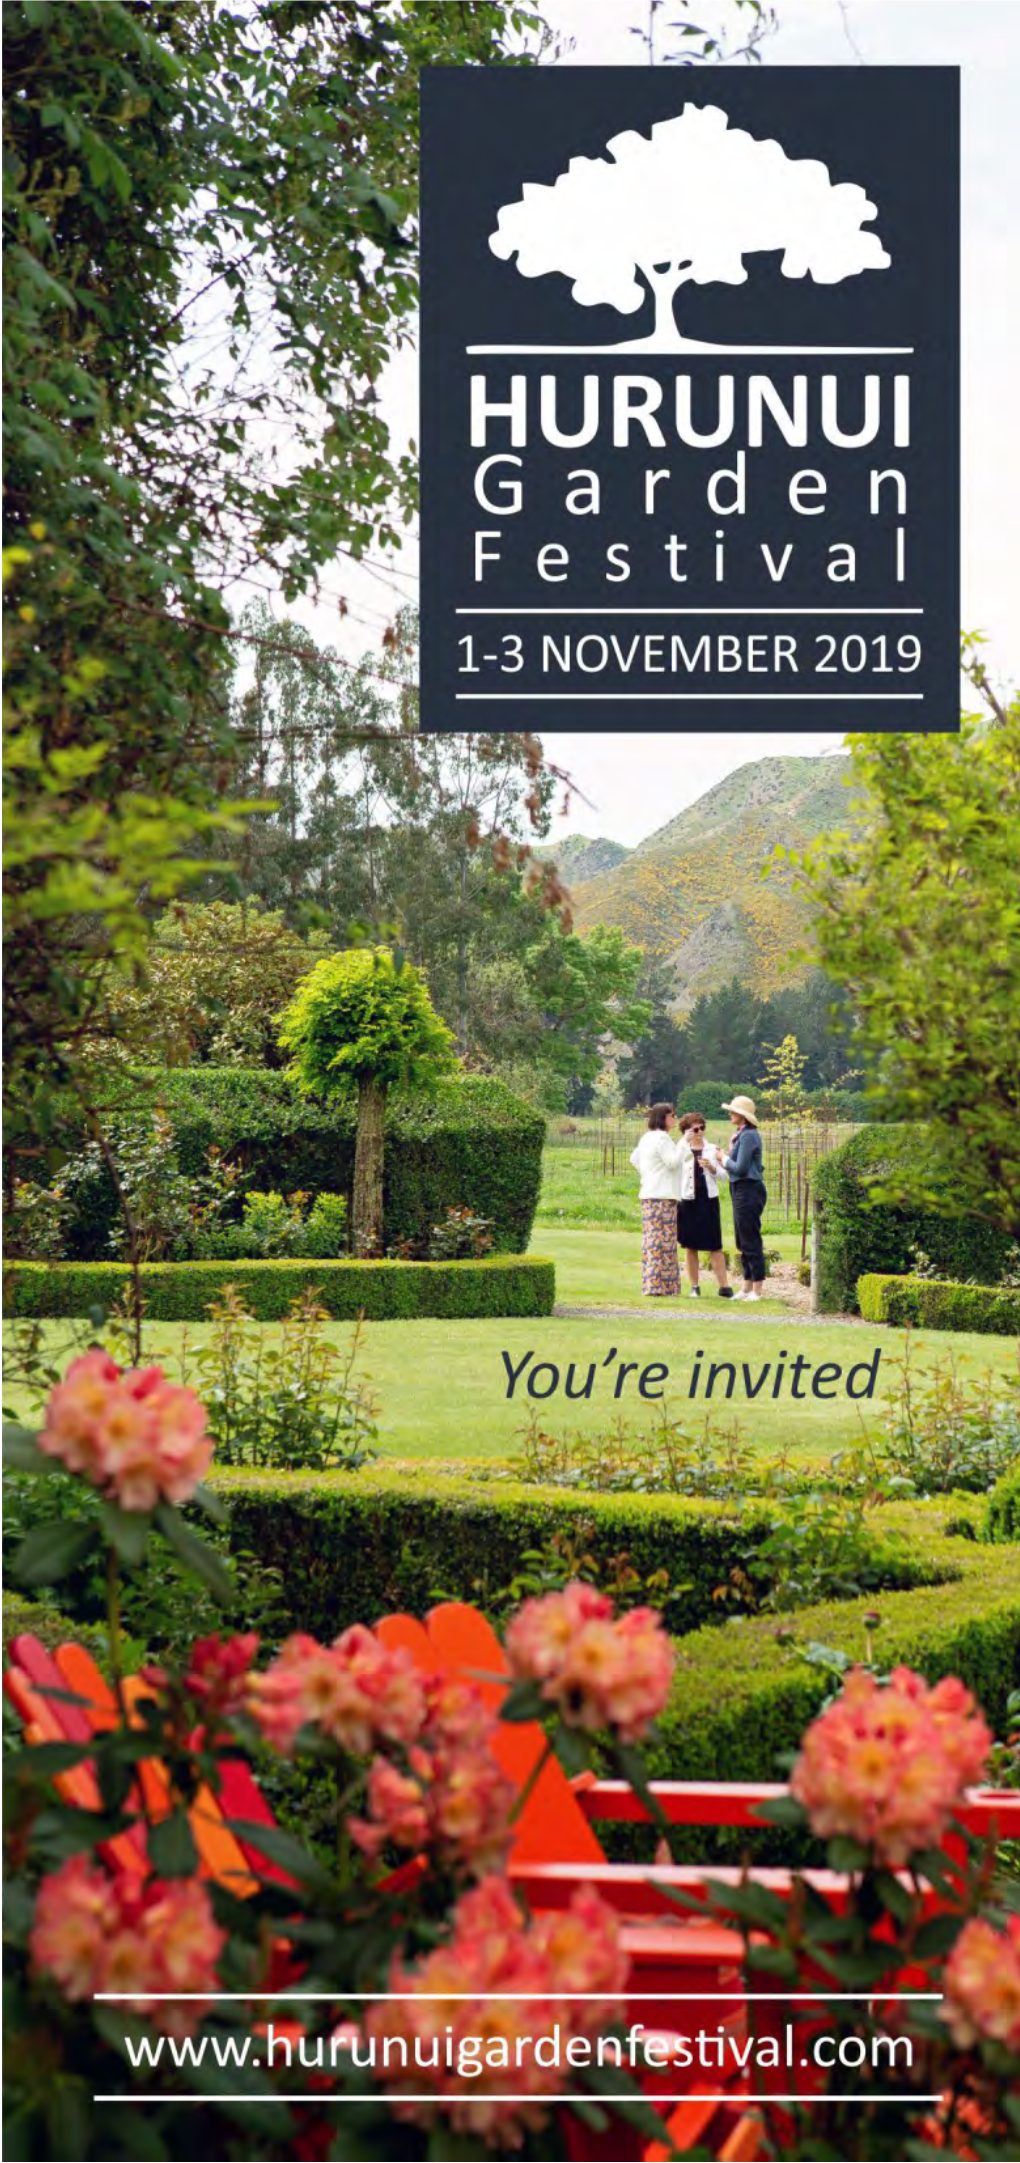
857, 1235
381, 1291
23, 1616
1003, 1518
352, 1547
470, 1144
931, 1303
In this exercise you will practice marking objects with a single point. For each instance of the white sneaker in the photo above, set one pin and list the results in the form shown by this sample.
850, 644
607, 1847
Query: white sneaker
743, 1295
752, 1298
695, 1291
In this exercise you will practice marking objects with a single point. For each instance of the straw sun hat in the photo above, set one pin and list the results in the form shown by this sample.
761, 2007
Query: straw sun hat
745, 1107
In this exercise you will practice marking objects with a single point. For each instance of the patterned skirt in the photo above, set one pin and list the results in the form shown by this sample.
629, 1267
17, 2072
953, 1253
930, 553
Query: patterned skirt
660, 1263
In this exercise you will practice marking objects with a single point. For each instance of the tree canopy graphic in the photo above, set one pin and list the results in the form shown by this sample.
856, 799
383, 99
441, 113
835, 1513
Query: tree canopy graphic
685, 204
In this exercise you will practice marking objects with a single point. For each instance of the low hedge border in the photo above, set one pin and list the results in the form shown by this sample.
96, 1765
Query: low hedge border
382, 1291
21, 1616
1002, 1514
401, 1535
938, 1303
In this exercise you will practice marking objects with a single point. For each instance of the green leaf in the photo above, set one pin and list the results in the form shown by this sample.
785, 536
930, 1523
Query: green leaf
203, 1561
280, 1847
127, 1530
42, 1759
22, 1452
211, 1503
937, 1937
523, 1702
846, 1854
50, 1551
172, 1849
895, 1896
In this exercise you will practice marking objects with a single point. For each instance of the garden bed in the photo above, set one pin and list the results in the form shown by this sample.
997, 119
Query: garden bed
381, 1291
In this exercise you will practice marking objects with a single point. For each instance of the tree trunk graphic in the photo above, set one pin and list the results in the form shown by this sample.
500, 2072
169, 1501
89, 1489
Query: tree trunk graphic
665, 279
367, 1213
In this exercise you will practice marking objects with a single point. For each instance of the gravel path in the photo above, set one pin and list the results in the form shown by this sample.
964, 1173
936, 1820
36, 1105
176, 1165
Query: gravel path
696, 1312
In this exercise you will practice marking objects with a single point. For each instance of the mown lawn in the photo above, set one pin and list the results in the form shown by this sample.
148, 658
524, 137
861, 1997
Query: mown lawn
602, 1268
441, 1386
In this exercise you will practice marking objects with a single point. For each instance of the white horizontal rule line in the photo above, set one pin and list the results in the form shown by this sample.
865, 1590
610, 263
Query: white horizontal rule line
523, 698
567, 611
397, 2095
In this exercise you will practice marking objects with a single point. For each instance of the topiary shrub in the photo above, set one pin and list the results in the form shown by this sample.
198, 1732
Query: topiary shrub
364, 1018
932, 1303
381, 1291
856, 1236
470, 1144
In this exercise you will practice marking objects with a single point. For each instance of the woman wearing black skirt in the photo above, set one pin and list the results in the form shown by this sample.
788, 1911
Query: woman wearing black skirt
699, 1225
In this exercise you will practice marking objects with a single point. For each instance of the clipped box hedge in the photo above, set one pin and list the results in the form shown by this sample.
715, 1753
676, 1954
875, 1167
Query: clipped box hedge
404, 1535
382, 1291
934, 1303
470, 1144
856, 1236
1002, 1520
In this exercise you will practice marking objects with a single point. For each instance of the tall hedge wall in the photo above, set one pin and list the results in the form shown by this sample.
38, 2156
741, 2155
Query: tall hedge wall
857, 1237
471, 1145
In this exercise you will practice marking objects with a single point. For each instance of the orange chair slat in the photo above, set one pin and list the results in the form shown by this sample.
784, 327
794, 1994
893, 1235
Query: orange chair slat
403, 1633
552, 1821
688, 2124
77, 1785
81, 1674
745, 2142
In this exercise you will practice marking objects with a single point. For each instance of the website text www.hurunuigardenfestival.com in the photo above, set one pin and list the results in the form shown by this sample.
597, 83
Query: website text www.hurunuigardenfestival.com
466, 2060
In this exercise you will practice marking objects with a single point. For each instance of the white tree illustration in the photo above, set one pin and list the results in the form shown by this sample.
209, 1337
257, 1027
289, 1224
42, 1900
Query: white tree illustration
686, 203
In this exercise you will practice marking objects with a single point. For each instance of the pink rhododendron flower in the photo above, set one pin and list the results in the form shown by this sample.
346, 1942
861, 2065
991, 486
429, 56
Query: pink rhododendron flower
128, 1431
76, 1911
981, 1982
599, 1673
95, 1933
354, 1691
218, 1672
455, 1801
474, 2010
886, 1765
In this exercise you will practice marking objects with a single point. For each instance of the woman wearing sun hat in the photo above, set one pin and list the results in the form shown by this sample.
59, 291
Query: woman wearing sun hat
743, 1168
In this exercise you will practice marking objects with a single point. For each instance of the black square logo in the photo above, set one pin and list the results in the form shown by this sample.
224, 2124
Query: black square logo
690, 391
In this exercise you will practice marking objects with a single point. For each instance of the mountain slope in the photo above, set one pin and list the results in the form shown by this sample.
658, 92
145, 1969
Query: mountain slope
694, 891
578, 859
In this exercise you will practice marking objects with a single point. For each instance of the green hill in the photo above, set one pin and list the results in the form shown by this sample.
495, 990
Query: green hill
577, 859
694, 891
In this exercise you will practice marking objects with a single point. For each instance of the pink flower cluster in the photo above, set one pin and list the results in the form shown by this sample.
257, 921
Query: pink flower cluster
93, 1932
214, 1686
127, 1431
485, 1999
599, 1673
354, 1691
454, 1800
886, 1765
981, 1982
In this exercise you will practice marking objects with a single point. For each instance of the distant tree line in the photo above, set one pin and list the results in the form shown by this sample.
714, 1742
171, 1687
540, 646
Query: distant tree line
729, 1033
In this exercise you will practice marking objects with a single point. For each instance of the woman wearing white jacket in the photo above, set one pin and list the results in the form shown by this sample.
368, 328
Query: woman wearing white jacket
659, 1159
699, 1229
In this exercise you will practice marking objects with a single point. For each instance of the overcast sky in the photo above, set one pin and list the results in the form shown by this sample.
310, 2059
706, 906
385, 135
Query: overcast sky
636, 782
